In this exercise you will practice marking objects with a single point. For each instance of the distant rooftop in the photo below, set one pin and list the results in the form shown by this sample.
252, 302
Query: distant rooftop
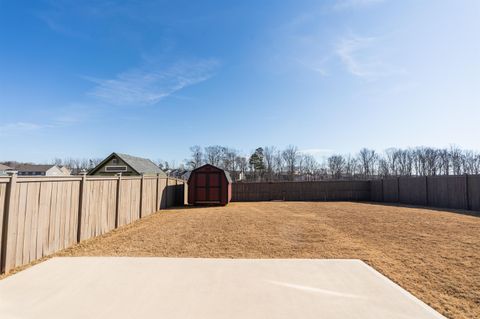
4, 167
139, 164
33, 167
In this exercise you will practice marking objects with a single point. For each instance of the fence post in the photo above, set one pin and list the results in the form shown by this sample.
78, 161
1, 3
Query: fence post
81, 205
426, 190
9, 210
398, 189
141, 195
158, 201
119, 191
467, 198
176, 194
383, 192
166, 193
185, 192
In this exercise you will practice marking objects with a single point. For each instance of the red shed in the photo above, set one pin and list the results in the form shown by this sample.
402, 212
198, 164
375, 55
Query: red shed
209, 185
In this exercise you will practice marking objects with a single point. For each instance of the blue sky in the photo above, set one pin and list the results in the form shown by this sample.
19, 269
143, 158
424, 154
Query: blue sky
152, 78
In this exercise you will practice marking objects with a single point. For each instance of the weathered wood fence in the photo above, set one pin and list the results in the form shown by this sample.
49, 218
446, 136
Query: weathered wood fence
457, 192
42, 215
302, 191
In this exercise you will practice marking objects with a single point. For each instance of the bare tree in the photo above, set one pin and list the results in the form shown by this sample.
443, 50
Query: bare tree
405, 162
269, 157
351, 166
456, 159
228, 160
419, 161
470, 162
278, 163
443, 162
163, 165
367, 159
57, 161
79, 164
391, 165
431, 161
336, 166
290, 156
214, 154
309, 167
196, 159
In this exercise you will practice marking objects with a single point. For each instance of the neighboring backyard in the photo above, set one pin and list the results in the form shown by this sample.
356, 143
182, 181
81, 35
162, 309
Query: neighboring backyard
433, 254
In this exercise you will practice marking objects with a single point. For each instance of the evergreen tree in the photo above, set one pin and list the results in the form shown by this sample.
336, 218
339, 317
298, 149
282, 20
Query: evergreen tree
257, 160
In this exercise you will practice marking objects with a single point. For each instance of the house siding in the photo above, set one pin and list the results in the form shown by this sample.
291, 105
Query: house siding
102, 172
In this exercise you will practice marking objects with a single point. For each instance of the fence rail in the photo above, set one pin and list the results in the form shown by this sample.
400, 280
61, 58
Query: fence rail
302, 191
42, 215
457, 192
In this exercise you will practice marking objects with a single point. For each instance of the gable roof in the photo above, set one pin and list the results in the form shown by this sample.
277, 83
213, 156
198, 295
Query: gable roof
33, 167
4, 167
138, 164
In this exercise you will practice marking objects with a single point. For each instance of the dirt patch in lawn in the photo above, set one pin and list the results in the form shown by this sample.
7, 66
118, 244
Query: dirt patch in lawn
433, 254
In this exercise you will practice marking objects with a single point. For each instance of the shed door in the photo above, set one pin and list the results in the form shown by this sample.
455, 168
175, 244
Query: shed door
208, 187
214, 187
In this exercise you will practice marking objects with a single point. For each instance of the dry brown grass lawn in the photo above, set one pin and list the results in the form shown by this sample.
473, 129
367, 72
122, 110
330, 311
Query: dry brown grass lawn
433, 254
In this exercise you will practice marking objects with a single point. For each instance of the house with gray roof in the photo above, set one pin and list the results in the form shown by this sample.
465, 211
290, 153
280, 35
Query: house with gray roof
126, 164
4, 169
38, 170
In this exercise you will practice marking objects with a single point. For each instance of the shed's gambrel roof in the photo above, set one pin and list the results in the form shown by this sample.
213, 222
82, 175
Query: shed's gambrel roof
227, 174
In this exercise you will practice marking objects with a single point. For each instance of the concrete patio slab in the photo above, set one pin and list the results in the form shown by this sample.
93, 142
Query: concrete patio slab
127, 287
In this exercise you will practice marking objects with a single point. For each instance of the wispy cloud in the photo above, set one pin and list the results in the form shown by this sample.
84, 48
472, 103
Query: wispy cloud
349, 4
149, 84
348, 49
316, 65
18, 127
66, 116
300, 43
56, 25
125, 20
359, 56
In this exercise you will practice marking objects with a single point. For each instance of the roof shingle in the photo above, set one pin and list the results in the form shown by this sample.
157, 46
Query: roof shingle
140, 165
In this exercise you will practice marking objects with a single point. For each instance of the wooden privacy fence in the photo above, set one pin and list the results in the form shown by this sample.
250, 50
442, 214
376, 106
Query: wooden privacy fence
42, 215
457, 192
302, 191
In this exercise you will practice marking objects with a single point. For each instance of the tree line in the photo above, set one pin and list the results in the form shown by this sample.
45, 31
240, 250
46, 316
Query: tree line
273, 164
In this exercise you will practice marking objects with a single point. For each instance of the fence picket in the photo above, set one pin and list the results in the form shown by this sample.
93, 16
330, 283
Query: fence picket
41, 215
